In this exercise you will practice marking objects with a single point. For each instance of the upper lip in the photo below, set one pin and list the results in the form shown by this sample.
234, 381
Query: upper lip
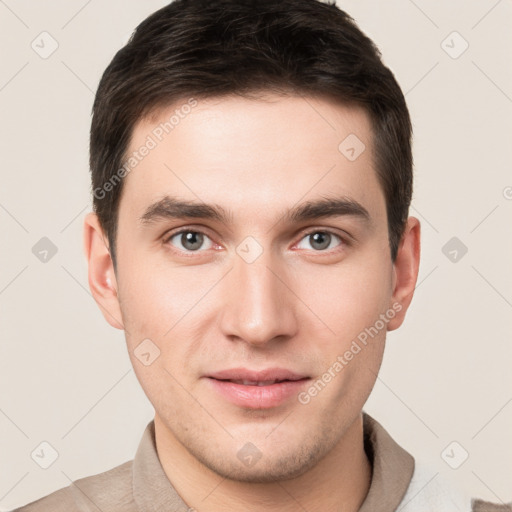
268, 374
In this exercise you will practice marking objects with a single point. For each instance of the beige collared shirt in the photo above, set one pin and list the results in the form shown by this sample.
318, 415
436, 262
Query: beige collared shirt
141, 485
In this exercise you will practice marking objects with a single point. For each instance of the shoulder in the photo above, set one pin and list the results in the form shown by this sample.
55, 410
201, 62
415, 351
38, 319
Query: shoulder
108, 491
486, 506
429, 490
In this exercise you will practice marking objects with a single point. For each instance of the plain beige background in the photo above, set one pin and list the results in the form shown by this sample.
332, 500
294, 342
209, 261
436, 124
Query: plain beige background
65, 374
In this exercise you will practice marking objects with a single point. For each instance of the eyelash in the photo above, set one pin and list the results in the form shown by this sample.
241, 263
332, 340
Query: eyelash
344, 241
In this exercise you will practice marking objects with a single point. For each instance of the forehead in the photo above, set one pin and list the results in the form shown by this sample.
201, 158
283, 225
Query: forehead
253, 156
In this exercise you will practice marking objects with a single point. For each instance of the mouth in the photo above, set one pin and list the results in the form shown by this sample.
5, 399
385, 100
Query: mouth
244, 382
257, 389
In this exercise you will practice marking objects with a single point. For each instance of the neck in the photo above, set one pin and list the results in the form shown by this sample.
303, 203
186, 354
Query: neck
339, 482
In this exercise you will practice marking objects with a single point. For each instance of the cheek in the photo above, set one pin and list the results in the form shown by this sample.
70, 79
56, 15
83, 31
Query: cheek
347, 299
154, 299
171, 307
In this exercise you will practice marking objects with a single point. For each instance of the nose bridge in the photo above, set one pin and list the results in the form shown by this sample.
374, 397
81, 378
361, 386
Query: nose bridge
258, 307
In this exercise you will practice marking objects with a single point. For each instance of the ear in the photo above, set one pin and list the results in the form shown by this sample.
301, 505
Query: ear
102, 279
405, 272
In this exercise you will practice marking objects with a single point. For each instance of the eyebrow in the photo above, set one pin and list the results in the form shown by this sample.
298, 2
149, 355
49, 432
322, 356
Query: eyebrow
174, 208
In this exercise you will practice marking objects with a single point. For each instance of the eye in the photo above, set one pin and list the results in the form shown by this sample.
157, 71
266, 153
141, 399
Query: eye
321, 240
188, 240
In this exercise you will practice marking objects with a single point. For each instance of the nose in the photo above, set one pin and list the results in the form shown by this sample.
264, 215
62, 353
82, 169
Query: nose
258, 304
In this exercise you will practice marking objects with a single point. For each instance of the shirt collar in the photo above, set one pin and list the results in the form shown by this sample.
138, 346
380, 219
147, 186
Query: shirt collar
152, 491
392, 469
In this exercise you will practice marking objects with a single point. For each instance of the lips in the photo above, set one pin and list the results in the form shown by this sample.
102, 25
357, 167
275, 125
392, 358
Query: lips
253, 389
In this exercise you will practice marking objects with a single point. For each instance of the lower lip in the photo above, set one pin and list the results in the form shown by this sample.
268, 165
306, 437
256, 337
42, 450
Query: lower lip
258, 397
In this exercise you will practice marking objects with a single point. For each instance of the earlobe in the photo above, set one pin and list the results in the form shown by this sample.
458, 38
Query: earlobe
101, 275
405, 272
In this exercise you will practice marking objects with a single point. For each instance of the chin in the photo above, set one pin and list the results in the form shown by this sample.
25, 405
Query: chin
278, 465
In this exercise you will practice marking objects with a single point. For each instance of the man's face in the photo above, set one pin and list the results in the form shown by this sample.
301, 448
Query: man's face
259, 290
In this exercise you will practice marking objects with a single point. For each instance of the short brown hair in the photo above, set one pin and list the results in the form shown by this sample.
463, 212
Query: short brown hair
202, 49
